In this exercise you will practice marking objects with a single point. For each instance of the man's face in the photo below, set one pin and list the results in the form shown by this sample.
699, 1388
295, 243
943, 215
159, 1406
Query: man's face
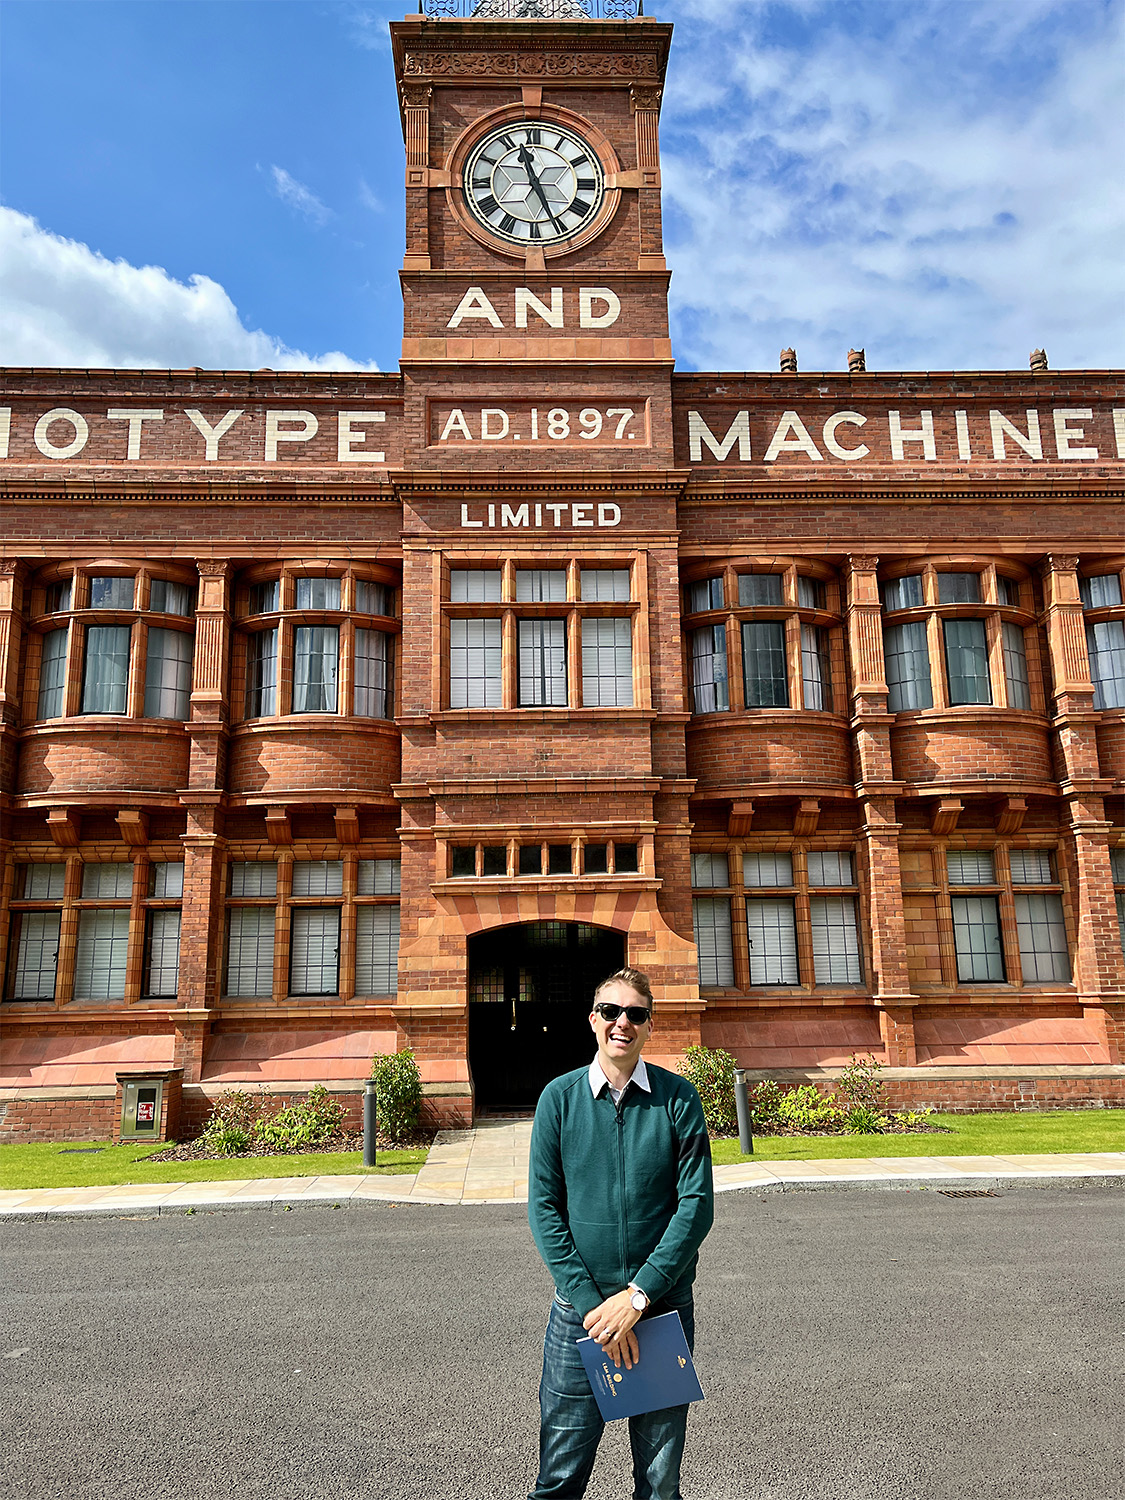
620, 1041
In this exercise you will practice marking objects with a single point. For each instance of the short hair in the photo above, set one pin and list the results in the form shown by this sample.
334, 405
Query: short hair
634, 978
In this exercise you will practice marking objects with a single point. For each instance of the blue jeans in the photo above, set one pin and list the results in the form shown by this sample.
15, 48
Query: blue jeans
571, 1425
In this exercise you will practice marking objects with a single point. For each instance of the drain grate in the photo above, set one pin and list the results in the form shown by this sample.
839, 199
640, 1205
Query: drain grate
80, 1150
968, 1193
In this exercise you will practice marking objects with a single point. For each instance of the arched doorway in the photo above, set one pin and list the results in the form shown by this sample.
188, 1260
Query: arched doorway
530, 989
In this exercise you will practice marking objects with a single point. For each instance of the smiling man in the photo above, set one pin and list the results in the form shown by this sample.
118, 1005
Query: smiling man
620, 1199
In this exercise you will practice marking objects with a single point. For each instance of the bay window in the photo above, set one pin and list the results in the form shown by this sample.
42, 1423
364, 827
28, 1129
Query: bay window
1101, 595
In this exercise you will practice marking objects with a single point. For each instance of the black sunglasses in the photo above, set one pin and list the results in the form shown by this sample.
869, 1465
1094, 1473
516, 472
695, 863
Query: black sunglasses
636, 1015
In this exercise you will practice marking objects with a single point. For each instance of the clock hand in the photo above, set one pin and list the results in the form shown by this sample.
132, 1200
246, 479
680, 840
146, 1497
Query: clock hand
526, 161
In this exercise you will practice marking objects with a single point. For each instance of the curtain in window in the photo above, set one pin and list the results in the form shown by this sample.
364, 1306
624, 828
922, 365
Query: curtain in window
1042, 938
167, 598
112, 593
317, 593
966, 660
106, 678
52, 676
162, 955
759, 588
376, 950
707, 593
976, 938
763, 664
815, 667
835, 940
36, 956
314, 950
907, 658
250, 951
711, 918
474, 663
810, 592
168, 674
607, 663
958, 588
372, 598
542, 663
316, 658
903, 593
710, 687
1106, 645
771, 926
261, 674
373, 674
103, 943
1015, 666
1096, 592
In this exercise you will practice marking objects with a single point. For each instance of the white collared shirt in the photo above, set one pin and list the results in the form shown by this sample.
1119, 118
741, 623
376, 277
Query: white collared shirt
599, 1081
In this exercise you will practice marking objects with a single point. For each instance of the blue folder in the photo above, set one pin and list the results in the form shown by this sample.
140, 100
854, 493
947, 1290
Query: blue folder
663, 1375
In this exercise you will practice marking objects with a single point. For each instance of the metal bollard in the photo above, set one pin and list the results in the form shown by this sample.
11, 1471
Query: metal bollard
742, 1109
369, 1127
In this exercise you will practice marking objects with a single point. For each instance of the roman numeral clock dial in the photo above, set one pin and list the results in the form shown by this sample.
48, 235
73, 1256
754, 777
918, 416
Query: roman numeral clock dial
533, 184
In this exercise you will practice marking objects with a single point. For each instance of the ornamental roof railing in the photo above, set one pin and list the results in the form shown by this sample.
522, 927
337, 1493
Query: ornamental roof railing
532, 10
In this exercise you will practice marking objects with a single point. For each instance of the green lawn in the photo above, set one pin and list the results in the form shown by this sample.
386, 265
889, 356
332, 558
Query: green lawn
973, 1135
52, 1165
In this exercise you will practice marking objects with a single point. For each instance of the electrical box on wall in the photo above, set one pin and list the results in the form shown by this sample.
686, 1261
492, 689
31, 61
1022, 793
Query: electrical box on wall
141, 1103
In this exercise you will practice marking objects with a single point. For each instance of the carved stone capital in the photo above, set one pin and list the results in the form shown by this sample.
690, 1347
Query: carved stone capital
417, 96
859, 563
1056, 562
645, 96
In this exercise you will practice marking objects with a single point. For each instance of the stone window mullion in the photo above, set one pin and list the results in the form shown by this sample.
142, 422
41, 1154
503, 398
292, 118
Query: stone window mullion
282, 924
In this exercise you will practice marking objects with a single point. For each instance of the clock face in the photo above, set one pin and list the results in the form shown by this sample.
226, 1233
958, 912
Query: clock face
534, 183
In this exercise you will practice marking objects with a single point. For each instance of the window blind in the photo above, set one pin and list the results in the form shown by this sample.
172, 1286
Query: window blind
607, 663
711, 919
103, 944
250, 950
771, 927
37, 955
835, 940
474, 663
1042, 937
162, 955
376, 955
542, 663
314, 950
168, 674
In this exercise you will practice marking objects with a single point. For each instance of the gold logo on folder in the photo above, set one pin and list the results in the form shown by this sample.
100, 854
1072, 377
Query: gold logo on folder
617, 1378
682, 1360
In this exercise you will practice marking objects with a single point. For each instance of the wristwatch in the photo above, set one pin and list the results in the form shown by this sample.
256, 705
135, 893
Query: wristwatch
639, 1299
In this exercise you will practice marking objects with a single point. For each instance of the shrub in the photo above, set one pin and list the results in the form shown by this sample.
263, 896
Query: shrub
806, 1108
860, 1083
912, 1118
230, 1125
299, 1126
861, 1119
398, 1094
710, 1071
765, 1104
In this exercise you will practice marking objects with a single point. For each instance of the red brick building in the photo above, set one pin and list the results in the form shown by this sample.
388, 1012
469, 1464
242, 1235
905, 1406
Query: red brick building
346, 713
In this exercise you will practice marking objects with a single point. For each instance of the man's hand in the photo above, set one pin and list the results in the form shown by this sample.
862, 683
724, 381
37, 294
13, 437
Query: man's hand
612, 1325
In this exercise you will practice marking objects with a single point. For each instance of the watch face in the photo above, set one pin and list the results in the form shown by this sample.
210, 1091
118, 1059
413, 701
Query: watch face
533, 183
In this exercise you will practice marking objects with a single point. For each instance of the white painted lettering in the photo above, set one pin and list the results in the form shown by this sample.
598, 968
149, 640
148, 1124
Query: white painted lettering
1031, 442
1065, 434
608, 515
474, 304
211, 435
579, 514
465, 518
348, 439
556, 511
275, 434
527, 301
492, 517
923, 435
486, 432
65, 450
837, 419
699, 433
800, 442
964, 448
1119, 429
538, 515
5, 429
510, 517
455, 422
136, 419
587, 317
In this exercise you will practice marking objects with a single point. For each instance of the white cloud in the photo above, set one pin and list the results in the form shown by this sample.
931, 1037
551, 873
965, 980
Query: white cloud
369, 198
64, 304
934, 181
298, 196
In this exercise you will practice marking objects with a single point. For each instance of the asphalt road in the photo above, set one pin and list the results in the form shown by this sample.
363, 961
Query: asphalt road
853, 1346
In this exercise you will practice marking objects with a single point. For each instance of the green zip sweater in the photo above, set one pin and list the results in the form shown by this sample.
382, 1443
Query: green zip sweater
620, 1193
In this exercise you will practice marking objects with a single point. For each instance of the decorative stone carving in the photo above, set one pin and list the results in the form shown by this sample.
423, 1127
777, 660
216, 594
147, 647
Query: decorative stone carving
532, 63
645, 96
944, 815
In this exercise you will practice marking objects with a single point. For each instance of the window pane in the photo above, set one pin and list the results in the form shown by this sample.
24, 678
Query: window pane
317, 593
763, 664
1015, 666
710, 689
314, 950
540, 585
494, 860
261, 673
380, 877
976, 937
37, 955
373, 598
315, 661
265, 597
250, 951
112, 593
166, 598
106, 677
44, 882
103, 943
254, 878
463, 859
376, 950
1121, 918
607, 663
828, 867
1007, 590
52, 675
625, 859
168, 879
318, 877
767, 869
816, 667
966, 661
903, 593
1117, 865
1100, 590
772, 929
835, 940
711, 918
706, 593
1106, 645
474, 663
595, 859
542, 663
59, 596
759, 588
958, 588
374, 674
531, 859
162, 953
168, 675
111, 882
1030, 866
1042, 938
810, 593
475, 585
970, 867
907, 658
710, 870
604, 585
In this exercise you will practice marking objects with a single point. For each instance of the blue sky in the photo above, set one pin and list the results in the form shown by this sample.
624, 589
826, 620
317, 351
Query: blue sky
219, 182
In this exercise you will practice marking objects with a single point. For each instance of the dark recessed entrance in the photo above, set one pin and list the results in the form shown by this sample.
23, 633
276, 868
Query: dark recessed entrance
530, 989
